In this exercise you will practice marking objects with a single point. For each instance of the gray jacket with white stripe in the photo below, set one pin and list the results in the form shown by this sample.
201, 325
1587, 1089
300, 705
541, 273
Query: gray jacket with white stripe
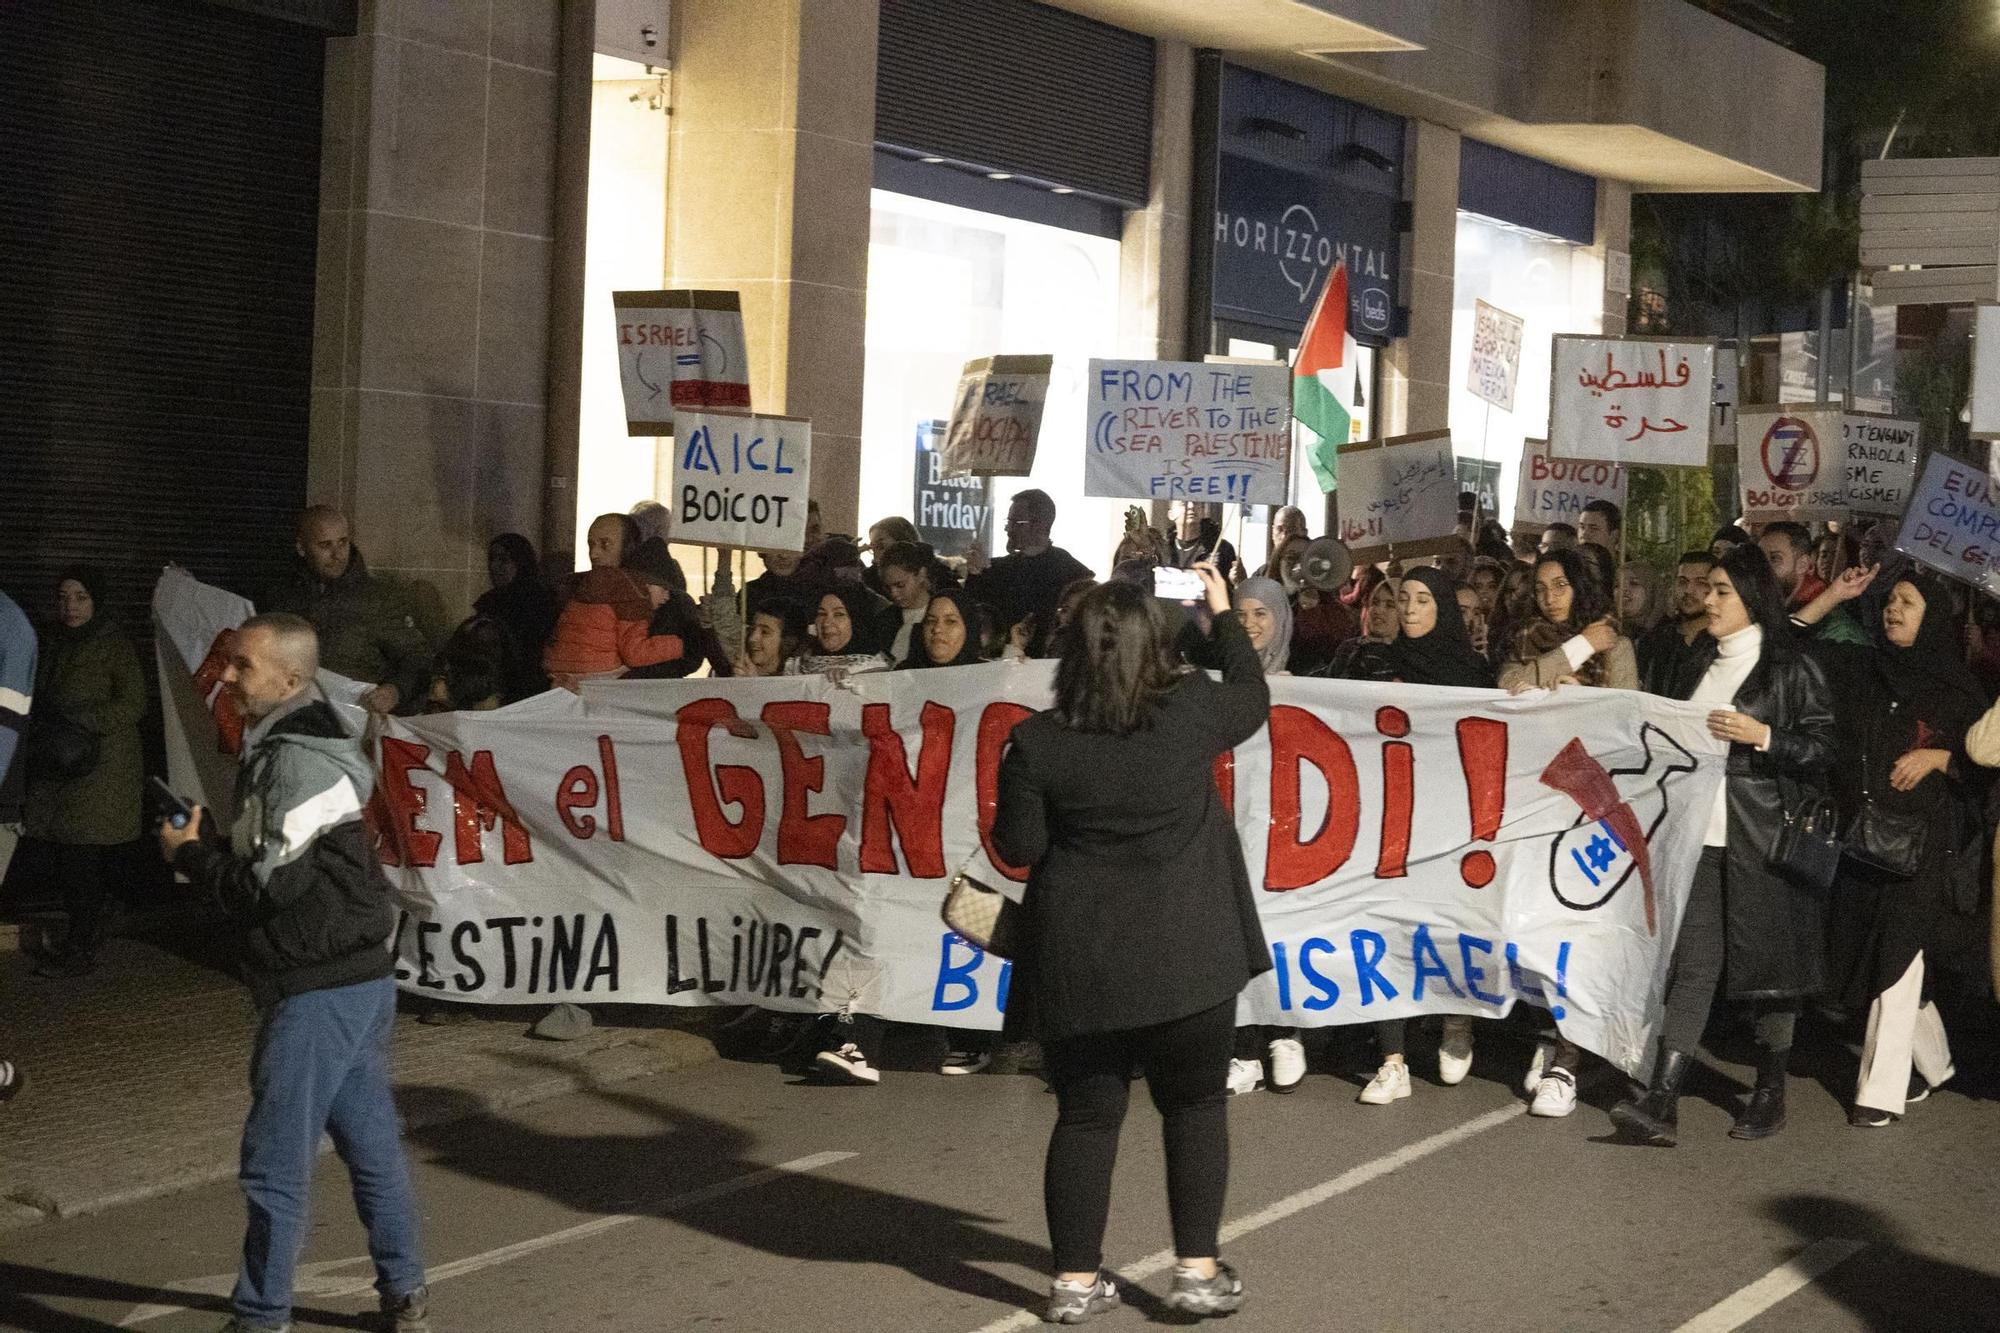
300, 880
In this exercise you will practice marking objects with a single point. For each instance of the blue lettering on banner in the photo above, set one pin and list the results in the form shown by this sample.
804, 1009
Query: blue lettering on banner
958, 977
1424, 964
1369, 949
1429, 964
1328, 988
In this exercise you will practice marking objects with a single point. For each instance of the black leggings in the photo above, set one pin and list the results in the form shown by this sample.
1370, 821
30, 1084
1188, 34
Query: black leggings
81, 870
1186, 1063
1699, 954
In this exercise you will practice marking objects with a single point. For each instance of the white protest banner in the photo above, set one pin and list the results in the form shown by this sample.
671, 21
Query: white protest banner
1791, 462
679, 349
1953, 523
1496, 355
1555, 490
742, 480
787, 843
1881, 461
1631, 400
1399, 492
1189, 430
998, 418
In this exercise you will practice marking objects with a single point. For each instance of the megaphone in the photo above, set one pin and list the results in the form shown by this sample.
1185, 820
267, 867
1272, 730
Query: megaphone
1326, 564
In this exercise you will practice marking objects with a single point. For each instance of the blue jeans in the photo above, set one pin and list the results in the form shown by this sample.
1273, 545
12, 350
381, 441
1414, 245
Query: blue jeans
322, 1064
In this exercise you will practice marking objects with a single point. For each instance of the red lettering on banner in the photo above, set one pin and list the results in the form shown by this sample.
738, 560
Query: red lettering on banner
738, 785
804, 839
614, 803
400, 841
1293, 862
915, 809
996, 724
216, 697
578, 792
478, 801
1399, 794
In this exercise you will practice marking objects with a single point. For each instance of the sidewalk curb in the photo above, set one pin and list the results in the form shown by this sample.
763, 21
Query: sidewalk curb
649, 1052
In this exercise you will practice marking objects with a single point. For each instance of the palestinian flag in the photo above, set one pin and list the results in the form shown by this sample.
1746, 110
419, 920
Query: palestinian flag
1323, 347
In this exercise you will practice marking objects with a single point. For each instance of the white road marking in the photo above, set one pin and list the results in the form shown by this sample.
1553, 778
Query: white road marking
1801, 1270
316, 1280
1162, 1260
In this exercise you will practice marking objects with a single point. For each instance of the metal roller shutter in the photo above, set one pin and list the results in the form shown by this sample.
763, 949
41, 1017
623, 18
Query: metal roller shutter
1006, 85
159, 195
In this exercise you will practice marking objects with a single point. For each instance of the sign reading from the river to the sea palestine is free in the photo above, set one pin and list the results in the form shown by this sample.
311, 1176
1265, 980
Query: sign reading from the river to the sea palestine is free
1631, 400
1189, 430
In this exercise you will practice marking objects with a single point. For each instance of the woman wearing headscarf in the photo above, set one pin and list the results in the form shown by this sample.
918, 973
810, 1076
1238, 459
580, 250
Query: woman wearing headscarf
1431, 648
1571, 635
1903, 707
525, 609
1746, 919
83, 759
844, 633
952, 632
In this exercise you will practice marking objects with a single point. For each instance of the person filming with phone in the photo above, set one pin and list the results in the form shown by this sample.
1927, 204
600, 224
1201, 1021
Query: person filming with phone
300, 884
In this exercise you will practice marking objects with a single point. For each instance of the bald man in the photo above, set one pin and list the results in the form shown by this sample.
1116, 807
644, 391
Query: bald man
367, 627
305, 896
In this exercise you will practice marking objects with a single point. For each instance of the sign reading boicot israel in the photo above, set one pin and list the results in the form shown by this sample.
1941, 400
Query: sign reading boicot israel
1791, 462
1555, 490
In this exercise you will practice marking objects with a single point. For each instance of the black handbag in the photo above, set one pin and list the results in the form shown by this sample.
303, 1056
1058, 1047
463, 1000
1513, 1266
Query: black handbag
58, 748
1887, 841
1808, 846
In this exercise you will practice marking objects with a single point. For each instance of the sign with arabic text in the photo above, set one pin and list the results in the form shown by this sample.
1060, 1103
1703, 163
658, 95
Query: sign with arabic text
1631, 400
1189, 430
1953, 523
1496, 355
1555, 490
679, 349
1881, 461
1791, 463
1401, 493
998, 417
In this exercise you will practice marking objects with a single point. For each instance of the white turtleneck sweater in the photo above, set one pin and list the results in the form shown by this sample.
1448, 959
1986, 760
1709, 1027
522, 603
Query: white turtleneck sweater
1735, 657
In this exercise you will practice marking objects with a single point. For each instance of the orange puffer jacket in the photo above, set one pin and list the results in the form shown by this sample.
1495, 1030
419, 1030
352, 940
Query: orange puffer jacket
602, 628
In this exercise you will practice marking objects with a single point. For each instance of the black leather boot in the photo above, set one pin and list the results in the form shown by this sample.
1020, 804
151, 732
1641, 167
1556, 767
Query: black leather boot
1765, 1113
1655, 1118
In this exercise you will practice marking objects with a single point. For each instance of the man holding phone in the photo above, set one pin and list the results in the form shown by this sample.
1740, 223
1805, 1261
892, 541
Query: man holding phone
301, 885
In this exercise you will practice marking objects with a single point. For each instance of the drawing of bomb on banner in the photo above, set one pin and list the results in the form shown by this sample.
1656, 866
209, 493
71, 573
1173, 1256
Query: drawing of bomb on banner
1619, 812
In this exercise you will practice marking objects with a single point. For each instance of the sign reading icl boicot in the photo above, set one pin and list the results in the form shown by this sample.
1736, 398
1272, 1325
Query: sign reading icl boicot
1791, 462
742, 480
1953, 523
677, 350
1555, 490
1631, 400
1496, 355
1881, 461
1398, 496
998, 418
1189, 430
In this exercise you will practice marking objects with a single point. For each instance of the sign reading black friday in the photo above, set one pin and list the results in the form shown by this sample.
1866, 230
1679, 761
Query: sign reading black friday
1791, 462
952, 514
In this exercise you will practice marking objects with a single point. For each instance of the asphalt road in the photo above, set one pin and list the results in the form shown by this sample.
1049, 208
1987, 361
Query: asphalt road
916, 1206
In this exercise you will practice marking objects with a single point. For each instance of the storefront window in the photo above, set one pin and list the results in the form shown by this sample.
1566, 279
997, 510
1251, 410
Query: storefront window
946, 285
1555, 287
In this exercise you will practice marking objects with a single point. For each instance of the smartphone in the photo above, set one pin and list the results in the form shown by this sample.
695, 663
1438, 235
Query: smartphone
173, 809
1178, 585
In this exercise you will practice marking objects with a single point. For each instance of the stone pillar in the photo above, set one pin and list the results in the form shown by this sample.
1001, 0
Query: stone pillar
770, 164
1153, 253
1416, 378
1614, 233
431, 325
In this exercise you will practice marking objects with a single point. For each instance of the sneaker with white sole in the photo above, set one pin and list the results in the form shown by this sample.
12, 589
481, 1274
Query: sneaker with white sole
1390, 1084
1077, 1302
1538, 1064
1455, 1051
1245, 1076
408, 1313
965, 1062
847, 1064
1197, 1295
1555, 1096
1288, 1063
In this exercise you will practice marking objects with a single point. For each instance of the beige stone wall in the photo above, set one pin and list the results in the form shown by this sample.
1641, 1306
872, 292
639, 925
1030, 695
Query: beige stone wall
430, 344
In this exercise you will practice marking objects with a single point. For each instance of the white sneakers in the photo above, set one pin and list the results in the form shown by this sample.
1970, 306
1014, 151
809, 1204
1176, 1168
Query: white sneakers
1390, 1084
1245, 1076
1455, 1050
1288, 1063
847, 1065
1537, 1064
1555, 1094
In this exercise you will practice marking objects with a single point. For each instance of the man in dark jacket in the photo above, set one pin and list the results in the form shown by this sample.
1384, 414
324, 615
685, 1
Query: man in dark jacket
367, 627
1030, 578
300, 884
1673, 654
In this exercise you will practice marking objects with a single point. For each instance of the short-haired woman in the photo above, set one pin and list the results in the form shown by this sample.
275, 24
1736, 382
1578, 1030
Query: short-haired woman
1142, 928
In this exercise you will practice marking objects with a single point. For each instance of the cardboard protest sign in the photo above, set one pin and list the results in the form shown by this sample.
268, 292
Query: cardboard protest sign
998, 417
1953, 523
742, 480
679, 349
1631, 400
1399, 492
1189, 430
1496, 355
1791, 462
1555, 490
1881, 461
631, 845
952, 514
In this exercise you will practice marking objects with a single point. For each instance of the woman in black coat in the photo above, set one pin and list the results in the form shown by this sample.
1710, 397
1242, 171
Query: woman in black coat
524, 607
1745, 919
1141, 924
1902, 708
